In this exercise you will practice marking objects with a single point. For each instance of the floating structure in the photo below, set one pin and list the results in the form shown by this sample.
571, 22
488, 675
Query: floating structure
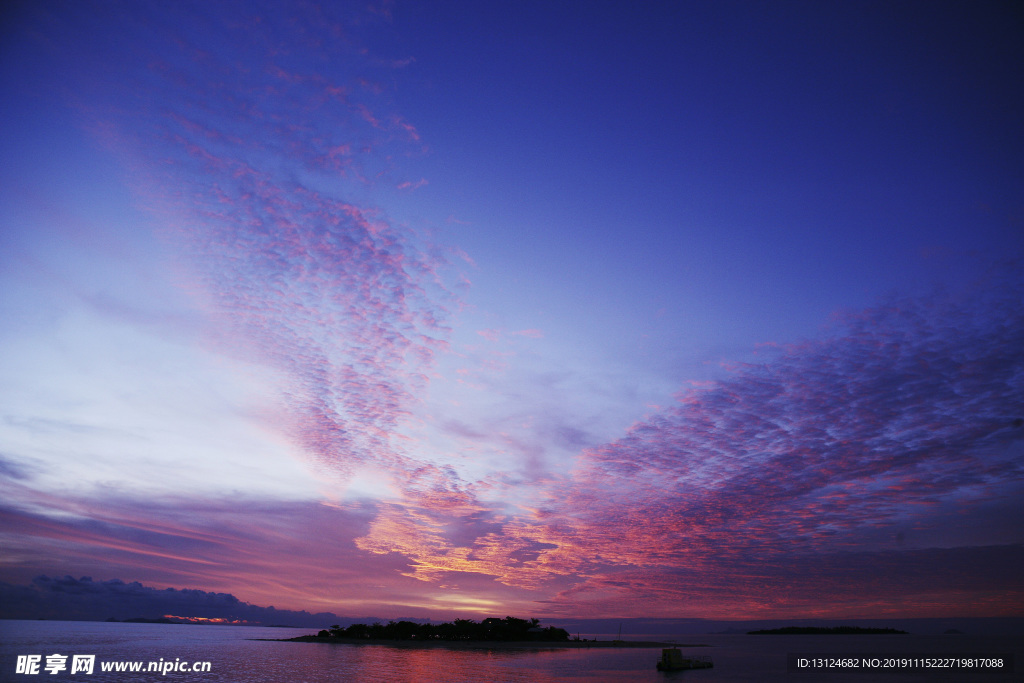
672, 659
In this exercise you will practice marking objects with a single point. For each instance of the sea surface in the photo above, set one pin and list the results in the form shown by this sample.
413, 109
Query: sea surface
235, 654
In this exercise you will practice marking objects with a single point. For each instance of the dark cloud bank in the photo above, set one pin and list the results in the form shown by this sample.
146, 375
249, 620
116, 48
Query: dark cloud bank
83, 599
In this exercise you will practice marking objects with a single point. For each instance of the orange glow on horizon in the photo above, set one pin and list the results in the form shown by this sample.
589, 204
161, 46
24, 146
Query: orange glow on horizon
210, 620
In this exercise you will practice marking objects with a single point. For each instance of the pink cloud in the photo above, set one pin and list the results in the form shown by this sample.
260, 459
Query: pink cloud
409, 185
406, 127
346, 304
787, 488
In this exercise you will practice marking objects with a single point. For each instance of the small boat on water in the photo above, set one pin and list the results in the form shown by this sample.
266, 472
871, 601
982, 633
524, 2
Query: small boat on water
672, 659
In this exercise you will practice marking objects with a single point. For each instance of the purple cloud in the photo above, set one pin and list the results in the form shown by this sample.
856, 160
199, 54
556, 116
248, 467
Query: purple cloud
906, 417
243, 134
874, 470
889, 445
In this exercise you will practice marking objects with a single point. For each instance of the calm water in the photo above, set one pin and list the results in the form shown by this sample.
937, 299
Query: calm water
236, 657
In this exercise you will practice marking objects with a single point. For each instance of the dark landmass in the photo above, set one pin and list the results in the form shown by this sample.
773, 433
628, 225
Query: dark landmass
144, 620
487, 644
509, 632
818, 630
491, 629
684, 628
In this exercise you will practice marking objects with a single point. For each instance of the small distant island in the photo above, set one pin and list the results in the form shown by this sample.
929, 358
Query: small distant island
820, 630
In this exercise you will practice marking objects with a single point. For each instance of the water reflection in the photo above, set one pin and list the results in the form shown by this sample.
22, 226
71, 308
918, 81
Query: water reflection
237, 657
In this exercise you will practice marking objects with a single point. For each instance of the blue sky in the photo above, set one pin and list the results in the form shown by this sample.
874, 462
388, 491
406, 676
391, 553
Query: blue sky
591, 310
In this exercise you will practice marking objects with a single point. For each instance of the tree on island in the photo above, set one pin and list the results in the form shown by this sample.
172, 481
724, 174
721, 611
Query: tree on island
490, 629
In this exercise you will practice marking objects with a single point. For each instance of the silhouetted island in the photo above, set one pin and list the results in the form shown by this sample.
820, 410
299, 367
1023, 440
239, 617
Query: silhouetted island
492, 632
509, 628
824, 630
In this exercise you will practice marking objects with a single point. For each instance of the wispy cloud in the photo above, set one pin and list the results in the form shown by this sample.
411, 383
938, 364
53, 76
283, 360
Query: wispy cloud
895, 438
410, 185
233, 127
179, 541
903, 419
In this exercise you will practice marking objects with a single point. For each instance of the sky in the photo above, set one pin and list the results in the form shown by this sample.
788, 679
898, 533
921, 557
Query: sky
705, 310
